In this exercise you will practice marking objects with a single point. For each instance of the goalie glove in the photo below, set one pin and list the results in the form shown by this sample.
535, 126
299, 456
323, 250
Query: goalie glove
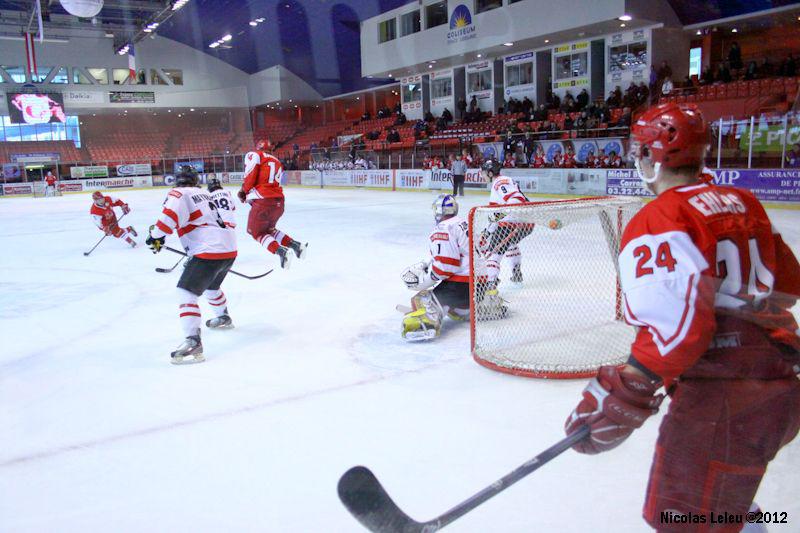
418, 277
155, 243
125, 209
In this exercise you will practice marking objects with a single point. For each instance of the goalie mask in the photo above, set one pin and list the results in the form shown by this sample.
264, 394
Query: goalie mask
444, 207
668, 136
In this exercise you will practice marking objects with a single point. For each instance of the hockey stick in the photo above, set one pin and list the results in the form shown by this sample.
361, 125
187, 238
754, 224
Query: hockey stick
245, 276
168, 270
366, 499
85, 254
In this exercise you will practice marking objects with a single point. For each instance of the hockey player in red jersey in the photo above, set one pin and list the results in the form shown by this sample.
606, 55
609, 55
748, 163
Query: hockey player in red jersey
50, 184
105, 218
204, 223
708, 282
262, 190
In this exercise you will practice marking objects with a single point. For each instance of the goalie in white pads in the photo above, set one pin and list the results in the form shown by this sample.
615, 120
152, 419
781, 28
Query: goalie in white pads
442, 281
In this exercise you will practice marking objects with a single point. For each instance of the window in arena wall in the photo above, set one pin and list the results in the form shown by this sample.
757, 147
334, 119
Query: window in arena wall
175, 75
412, 92
120, 75
627, 57
409, 23
79, 77
486, 5
61, 76
41, 74
479, 81
17, 74
571, 66
99, 74
435, 15
442, 88
156, 79
387, 30
521, 74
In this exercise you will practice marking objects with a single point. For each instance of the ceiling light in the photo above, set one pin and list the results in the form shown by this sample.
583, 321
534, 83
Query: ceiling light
622, 25
109, 34
479, 56
169, 110
433, 61
260, 19
391, 75
508, 44
430, 66
179, 4
546, 41
147, 30
734, 30
213, 45
226, 38
357, 98
625, 18
253, 23
191, 109
699, 32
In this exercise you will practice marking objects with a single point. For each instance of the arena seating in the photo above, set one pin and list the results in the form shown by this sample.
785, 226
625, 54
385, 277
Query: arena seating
65, 149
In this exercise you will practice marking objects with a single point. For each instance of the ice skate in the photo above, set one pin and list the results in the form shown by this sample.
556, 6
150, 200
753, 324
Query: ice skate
299, 249
286, 259
220, 322
192, 348
132, 231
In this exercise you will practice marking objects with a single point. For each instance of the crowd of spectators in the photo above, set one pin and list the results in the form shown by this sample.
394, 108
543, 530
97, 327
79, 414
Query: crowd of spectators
360, 163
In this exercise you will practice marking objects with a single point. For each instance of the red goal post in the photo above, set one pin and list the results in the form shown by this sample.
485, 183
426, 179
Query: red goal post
564, 320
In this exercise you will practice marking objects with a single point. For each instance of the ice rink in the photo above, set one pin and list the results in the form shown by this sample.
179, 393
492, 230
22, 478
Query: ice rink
99, 432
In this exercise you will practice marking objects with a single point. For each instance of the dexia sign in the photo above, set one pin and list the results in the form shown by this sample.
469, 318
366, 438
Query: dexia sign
461, 26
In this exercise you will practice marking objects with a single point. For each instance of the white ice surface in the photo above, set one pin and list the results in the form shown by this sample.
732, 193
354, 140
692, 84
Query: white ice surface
98, 432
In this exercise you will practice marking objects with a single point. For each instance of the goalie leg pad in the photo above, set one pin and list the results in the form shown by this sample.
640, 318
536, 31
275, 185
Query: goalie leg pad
424, 322
491, 306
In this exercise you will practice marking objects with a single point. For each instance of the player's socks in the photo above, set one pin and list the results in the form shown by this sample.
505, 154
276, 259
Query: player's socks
132, 231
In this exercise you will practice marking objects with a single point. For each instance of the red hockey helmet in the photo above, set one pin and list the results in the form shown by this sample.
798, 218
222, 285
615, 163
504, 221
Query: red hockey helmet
262, 144
97, 197
672, 135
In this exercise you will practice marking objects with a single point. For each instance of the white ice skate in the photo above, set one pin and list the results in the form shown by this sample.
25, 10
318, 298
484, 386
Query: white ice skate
191, 348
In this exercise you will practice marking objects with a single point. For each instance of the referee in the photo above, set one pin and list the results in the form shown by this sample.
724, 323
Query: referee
459, 170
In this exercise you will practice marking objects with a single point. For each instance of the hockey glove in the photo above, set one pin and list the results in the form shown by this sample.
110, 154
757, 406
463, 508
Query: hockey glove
418, 277
614, 403
242, 195
155, 243
125, 209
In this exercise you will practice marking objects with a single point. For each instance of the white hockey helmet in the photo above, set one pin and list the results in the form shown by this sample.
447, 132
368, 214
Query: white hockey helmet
445, 206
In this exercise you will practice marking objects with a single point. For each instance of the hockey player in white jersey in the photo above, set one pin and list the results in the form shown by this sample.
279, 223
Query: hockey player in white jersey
443, 280
208, 236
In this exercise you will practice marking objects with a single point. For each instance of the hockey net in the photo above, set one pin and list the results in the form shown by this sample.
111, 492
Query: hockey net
563, 318
40, 189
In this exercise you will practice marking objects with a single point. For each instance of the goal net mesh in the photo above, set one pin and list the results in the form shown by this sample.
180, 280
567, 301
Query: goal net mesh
559, 313
40, 189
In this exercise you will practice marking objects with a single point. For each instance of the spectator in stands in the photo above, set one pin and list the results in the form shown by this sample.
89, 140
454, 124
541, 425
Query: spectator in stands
614, 161
624, 120
583, 100
540, 114
580, 122
373, 135
366, 115
509, 161
334, 142
766, 69
601, 161
393, 136
527, 106
614, 97
653, 81
397, 108
723, 73
667, 86
568, 123
429, 116
642, 94
361, 163
296, 148
441, 124
569, 161
461, 107
793, 157
558, 158
537, 159
467, 158
735, 56
591, 160
473, 104
752, 71
591, 122
707, 77
665, 71
447, 116
631, 95
400, 119
567, 103
789, 66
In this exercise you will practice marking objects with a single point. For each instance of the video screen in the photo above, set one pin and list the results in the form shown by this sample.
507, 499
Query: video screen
36, 108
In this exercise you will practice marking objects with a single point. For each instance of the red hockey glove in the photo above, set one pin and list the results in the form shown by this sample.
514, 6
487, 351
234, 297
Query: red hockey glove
614, 403
242, 195
125, 209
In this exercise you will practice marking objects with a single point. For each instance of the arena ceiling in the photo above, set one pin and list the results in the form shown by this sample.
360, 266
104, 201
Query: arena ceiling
316, 39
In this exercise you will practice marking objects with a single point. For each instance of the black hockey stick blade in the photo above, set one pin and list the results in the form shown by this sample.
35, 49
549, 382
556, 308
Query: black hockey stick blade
366, 499
168, 270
